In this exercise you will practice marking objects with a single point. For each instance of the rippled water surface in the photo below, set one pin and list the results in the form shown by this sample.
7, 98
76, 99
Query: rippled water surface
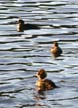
23, 53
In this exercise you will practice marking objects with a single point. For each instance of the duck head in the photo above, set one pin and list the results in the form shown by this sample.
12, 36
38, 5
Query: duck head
20, 25
41, 74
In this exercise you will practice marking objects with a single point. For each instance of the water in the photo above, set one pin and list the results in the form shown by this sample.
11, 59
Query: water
23, 53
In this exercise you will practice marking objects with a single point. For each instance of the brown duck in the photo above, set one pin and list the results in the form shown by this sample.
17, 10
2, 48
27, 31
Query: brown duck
56, 50
43, 83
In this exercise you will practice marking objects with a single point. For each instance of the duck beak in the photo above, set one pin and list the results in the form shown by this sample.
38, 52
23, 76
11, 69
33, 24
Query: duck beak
35, 76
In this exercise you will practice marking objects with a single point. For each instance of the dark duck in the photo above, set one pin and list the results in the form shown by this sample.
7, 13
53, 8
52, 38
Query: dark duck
21, 26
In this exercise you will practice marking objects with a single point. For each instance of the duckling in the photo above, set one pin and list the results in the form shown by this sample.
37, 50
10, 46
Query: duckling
21, 26
43, 83
56, 50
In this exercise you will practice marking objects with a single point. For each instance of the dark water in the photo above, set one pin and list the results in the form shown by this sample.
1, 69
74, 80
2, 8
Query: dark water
23, 53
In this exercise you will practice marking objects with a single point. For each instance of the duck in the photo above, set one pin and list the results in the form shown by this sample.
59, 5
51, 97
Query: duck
21, 26
56, 50
43, 83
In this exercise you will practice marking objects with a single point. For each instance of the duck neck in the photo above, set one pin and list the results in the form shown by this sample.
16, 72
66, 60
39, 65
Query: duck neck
41, 79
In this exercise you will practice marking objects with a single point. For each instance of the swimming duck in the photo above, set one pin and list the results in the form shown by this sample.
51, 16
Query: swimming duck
56, 50
21, 26
43, 83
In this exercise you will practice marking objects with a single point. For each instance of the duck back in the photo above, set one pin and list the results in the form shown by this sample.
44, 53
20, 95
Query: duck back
49, 84
30, 26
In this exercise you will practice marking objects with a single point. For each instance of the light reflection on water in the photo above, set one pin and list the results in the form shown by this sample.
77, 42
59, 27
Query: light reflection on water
23, 53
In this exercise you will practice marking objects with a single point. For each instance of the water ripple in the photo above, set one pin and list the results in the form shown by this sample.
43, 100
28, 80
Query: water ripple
23, 53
